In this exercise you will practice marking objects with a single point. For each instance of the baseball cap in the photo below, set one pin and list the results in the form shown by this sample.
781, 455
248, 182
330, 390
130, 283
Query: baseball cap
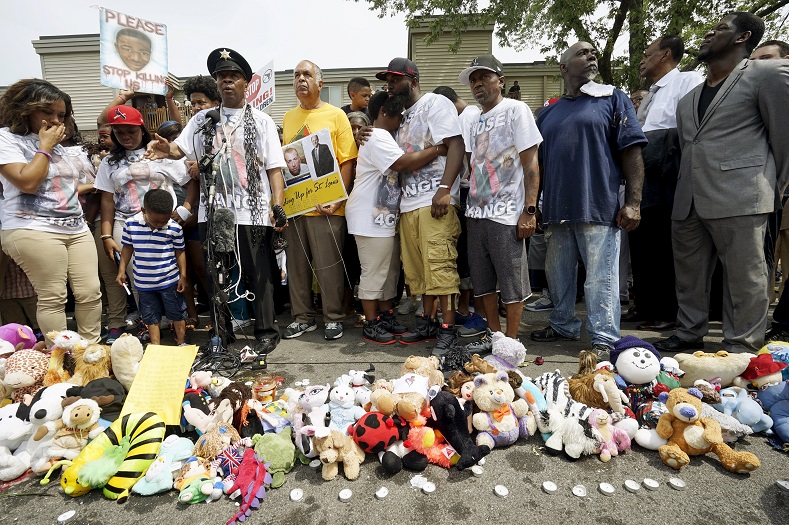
399, 66
124, 115
225, 59
488, 62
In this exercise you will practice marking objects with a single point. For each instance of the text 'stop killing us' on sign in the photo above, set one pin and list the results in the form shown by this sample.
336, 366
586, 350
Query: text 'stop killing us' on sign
133, 53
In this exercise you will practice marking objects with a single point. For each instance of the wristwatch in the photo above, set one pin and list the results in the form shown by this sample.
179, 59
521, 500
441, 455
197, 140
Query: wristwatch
530, 210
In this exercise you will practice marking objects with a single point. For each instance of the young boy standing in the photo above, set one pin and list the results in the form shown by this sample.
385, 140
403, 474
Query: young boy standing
360, 92
159, 267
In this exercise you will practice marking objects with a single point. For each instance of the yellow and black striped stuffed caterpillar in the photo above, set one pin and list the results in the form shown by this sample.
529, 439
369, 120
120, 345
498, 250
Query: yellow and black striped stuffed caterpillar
142, 433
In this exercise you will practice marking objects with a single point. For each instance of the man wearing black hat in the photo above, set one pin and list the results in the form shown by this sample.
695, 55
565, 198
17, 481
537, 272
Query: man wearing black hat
504, 183
248, 181
429, 225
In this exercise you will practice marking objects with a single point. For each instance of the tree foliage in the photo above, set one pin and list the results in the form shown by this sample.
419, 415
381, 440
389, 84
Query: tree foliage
620, 29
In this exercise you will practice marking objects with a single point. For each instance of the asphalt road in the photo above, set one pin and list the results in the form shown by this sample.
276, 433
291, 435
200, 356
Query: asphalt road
713, 495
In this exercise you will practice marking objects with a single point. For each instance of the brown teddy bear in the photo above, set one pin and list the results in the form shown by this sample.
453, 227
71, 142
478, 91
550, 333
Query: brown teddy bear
689, 434
408, 395
334, 448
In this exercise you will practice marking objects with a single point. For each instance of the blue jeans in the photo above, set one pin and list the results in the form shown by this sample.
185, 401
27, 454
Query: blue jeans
598, 247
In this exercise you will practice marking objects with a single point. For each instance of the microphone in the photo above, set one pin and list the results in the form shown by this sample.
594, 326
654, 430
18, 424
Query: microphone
211, 118
212, 184
223, 231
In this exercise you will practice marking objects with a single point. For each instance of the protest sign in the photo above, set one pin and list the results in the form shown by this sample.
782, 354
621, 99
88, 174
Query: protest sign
133, 53
312, 175
260, 91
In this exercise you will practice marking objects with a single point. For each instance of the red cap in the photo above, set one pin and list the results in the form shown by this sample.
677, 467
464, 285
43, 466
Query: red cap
124, 115
760, 366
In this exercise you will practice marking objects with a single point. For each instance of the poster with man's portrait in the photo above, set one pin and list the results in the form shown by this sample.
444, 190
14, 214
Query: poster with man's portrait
311, 175
133, 53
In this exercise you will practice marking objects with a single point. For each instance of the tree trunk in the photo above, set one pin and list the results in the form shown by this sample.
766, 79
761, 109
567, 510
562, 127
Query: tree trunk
637, 44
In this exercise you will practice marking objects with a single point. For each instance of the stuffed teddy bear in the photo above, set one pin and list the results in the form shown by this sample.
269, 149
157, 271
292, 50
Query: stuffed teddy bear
197, 481
410, 392
703, 365
507, 353
688, 434
450, 420
91, 361
125, 356
359, 380
765, 374
278, 452
24, 373
342, 410
334, 448
77, 425
159, 476
613, 439
213, 442
502, 419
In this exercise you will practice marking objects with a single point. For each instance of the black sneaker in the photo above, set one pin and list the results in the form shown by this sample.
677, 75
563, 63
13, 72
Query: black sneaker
375, 332
447, 338
548, 335
266, 345
389, 322
603, 351
776, 333
483, 346
426, 329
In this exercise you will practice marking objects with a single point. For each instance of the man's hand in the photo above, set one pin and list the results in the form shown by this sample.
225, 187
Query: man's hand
328, 209
274, 221
159, 148
50, 136
170, 89
192, 169
363, 135
181, 285
628, 218
121, 279
442, 200
527, 225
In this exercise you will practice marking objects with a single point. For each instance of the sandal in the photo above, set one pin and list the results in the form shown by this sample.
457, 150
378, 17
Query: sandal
192, 323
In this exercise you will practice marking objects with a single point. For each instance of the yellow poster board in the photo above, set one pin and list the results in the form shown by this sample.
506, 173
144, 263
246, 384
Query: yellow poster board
160, 381
302, 197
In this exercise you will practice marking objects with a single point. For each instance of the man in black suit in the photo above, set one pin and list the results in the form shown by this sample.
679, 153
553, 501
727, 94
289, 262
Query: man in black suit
321, 158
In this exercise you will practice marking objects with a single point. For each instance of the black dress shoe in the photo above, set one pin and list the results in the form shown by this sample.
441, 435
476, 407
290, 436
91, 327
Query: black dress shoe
548, 335
776, 333
266, 345
657, 326
631, 315
675, 344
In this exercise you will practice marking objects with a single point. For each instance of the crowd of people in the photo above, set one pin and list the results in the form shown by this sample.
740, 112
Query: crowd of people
458, 203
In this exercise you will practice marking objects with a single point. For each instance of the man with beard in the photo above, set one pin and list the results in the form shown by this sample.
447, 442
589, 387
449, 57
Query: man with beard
429, 226
592, 141
249, 182
735, 165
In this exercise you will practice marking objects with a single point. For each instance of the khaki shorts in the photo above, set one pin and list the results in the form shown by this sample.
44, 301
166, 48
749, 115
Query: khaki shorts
428, 248
379, 258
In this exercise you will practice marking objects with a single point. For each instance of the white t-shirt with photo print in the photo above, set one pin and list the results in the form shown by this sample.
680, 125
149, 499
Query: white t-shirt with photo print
374, 204
131, 178
495, 142
231, 183
427, 123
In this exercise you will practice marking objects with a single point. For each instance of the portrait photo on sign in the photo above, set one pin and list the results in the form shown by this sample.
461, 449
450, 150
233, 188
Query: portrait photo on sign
320, 153
133, 53
296, 169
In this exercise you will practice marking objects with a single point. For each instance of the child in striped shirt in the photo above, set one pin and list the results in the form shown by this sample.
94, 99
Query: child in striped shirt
159, 269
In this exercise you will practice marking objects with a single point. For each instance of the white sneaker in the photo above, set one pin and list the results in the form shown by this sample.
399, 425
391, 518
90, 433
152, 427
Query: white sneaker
420, 308
404, 308
542, 304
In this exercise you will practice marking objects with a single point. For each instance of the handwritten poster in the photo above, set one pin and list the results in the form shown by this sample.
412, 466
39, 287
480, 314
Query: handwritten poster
312, 176
133, 53
159, 383
260, 91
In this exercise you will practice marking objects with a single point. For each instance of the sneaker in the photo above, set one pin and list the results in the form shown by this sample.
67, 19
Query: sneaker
548, 335
405, 307
132, 320
447, 338
461, 319
425, 329
776, 333
420, 308
114, 334
296, 328
375, 332
483, 346
102, 336
542, 304
602, 350
389, 322
475, 326
332, 330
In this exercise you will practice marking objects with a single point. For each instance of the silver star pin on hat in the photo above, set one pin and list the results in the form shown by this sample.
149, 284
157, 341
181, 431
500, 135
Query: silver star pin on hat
224, 54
